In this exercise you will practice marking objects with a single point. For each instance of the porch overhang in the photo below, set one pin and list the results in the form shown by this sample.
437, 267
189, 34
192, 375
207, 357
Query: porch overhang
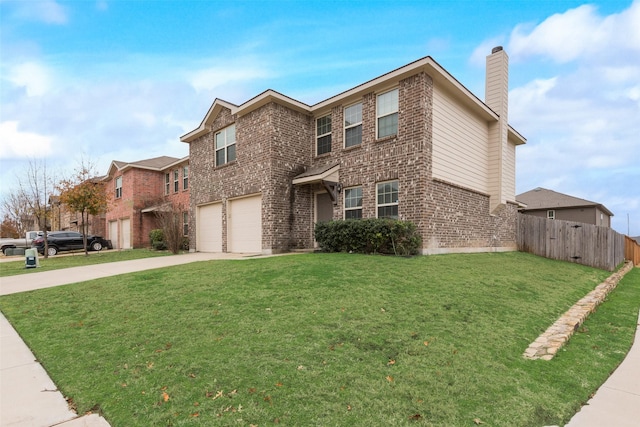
327, 175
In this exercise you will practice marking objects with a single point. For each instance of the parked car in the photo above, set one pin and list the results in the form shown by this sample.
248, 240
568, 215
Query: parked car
59, 241
24, 243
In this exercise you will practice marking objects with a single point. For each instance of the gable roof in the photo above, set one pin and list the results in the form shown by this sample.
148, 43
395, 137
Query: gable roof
541, 198
427, 64
155, 164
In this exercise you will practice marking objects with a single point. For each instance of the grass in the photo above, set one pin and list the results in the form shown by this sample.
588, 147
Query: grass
328, 339
75, 259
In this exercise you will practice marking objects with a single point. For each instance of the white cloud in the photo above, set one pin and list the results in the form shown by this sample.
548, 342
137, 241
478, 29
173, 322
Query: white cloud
20, 144
33, 76
242, 70
47, 11
578, 34
580, 108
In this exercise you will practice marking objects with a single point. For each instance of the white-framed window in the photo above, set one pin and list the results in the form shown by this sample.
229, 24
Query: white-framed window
118, 187
387, 113
176, 180
185, 223
353, 203
167, 185
353, 125
551, 214
323, 135
387, 199
185, 177
226, 145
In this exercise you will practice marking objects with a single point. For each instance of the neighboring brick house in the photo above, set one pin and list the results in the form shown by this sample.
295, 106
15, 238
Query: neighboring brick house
62, 219
413, 144
139, 189
553, 205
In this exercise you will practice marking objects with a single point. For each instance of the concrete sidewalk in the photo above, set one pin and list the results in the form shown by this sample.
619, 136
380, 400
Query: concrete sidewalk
617, 401
28, 397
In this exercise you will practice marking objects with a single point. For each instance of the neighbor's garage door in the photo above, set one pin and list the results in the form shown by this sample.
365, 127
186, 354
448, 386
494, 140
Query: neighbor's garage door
125, 226
209, 226
244, 217
113, 234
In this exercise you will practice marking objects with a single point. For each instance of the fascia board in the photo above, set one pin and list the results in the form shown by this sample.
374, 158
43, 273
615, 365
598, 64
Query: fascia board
215, 108
318, 177
427, 64
177, 162
515, 135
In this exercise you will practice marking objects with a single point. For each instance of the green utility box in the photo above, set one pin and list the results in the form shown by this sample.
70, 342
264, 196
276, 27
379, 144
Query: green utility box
31, 258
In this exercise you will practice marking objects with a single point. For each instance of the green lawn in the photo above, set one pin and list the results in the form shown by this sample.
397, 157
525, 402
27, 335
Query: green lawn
75, 259
328, 339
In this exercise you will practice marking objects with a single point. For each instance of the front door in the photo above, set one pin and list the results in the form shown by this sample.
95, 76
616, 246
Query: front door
324, 209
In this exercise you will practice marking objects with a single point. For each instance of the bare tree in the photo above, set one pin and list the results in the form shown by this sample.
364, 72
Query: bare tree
26, 206
84, 193
17, 212
170, 220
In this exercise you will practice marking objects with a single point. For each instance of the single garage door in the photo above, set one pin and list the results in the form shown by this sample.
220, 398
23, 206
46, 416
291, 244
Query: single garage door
125, 227
209, 226
113, 234
244, 217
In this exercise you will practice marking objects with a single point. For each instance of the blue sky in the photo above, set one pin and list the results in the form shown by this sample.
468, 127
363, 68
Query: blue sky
122, 80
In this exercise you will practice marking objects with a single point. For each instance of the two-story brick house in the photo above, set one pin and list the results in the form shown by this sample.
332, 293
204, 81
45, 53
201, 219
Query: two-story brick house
413, 144
139, 189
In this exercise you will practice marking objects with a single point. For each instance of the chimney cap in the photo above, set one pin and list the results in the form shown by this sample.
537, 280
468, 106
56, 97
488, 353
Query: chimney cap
496, 49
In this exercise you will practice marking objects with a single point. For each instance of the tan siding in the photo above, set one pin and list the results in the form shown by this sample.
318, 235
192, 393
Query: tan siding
509, 177
459, 143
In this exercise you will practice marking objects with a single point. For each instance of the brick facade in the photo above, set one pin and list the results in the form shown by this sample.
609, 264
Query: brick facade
143, 190
276, 141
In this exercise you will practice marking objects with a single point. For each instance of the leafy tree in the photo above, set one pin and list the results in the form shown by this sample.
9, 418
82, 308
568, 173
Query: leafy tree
9, 228
86, 194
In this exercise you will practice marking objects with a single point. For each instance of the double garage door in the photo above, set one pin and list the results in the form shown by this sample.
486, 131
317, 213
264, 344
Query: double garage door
244, 226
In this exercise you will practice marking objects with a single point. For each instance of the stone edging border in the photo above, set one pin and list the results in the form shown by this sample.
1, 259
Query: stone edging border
547, 345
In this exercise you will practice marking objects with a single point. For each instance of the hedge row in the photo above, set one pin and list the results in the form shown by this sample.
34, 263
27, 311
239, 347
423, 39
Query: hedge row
369, 236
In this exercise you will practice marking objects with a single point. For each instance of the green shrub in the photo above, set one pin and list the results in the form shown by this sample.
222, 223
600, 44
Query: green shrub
368, 236
157, 239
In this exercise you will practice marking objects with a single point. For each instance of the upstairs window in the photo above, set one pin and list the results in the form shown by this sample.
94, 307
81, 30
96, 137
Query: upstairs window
387, 113
167, 179
185, 177
176, 180
387, 195
226, 145
551, 214
353, 125
118, 187
353, 203
323, 135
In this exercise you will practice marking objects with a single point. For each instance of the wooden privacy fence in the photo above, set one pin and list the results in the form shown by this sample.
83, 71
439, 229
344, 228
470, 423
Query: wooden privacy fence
632, 250
592, 245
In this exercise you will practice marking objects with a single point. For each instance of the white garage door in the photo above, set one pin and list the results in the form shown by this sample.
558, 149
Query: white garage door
244, 217
125, 227
113, 234
209, 226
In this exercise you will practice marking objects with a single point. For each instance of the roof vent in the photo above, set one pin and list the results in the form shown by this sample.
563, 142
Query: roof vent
496, 49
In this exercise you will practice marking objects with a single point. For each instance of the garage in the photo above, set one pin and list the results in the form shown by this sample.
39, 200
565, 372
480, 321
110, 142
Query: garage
244, 217
125, 227
113, 234
209, 226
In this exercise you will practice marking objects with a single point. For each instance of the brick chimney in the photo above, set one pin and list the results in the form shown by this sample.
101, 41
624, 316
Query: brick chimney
497, 98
